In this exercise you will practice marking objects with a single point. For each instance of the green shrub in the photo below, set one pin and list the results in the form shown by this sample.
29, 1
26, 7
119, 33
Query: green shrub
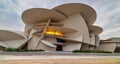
30, 50
89, 51
12, 49
20, 50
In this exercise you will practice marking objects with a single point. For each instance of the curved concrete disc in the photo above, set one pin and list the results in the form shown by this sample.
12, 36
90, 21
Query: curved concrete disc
95, 29
86, 11
36, 15
51, 23
48, 43
10, 35
58, 29
2, 44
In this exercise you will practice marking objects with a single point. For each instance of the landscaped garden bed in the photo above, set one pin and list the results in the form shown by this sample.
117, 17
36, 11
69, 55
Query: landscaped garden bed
20, 50
90, 51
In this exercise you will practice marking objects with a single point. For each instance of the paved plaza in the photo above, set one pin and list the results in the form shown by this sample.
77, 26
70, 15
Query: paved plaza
58, 58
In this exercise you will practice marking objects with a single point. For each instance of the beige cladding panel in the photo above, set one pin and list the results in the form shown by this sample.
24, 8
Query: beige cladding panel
15, 43
33, 43
31, 32
91, 48
2, 44
28, 28
84, 47
9, 35
78, 23
69, 9
51, 24
115, 39
97, 40
51, 39
72, 46
107, 47
118, 44
92, 39
95, 29
45, 47
35, 15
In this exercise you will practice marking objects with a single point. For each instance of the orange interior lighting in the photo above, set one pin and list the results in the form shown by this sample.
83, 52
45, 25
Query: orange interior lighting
54, 33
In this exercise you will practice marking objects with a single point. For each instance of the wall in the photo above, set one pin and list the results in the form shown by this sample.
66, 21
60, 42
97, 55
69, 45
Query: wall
15, 43
78, 23
28, 28
92, 39
32, 44
84, 46
46, 48
107, 47
118, 44
50, 39
97, 40
70, 46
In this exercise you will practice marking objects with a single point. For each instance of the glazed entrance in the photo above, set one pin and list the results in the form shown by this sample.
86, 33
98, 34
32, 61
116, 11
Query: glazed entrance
59, 48
60, 43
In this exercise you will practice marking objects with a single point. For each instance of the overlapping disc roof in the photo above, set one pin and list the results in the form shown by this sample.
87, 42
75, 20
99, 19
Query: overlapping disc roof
48, 43
35, 15
86, 11
59, 13
10, 35
95, 29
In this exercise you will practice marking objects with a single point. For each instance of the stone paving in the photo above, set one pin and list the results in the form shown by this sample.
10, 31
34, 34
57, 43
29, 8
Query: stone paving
59, 53
58, 58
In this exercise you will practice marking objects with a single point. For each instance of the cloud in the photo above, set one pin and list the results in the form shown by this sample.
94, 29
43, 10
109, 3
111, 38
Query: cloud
10, 14
108, 17
107, 13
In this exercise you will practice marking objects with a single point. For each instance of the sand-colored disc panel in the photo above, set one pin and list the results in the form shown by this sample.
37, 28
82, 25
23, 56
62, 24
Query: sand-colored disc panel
10, 35
59, 29
86, 11
51, 24
36, 15
95, 29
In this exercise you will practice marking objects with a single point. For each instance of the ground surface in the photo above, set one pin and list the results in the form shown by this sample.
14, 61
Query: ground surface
57, 58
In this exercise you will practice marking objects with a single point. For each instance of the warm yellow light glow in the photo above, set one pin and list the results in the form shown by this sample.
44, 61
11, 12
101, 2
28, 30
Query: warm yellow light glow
54, 33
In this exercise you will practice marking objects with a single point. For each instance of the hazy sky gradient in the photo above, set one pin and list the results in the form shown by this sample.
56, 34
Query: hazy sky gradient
108, 13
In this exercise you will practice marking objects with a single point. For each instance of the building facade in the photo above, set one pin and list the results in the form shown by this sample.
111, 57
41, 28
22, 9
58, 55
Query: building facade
65, 27
111, 44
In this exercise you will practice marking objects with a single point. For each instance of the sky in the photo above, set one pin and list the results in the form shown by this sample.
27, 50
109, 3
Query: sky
108, 13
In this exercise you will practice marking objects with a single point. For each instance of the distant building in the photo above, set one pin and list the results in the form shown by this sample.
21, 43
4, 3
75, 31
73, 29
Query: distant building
111, 44
63, 28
